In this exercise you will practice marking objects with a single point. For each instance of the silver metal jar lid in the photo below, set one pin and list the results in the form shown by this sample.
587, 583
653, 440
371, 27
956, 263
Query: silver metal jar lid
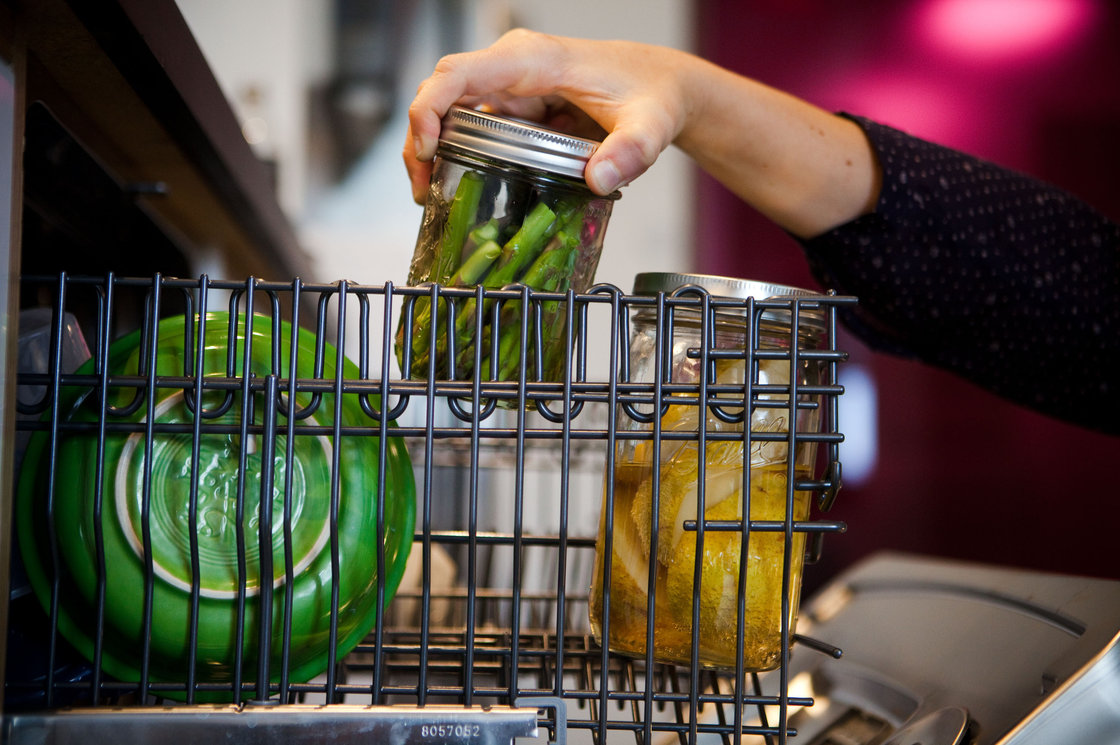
515, 141
651, 283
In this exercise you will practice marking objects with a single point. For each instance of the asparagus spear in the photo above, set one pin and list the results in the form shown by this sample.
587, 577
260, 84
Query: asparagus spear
565, 235
487, 231
555, 342
525, 245
543, 232
461, 217
464, 209
551, 272
473, 269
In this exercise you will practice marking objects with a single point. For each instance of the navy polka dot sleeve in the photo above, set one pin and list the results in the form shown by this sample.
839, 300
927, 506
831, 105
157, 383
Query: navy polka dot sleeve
1010, 282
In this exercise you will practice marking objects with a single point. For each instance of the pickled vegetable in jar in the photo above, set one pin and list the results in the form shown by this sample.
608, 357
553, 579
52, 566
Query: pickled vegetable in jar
507, 206
655, 491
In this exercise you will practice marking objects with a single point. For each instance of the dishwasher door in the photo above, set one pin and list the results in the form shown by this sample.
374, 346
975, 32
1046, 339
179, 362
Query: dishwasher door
940, 652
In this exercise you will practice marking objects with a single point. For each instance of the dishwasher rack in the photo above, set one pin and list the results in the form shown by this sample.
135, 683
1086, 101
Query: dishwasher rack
487, 638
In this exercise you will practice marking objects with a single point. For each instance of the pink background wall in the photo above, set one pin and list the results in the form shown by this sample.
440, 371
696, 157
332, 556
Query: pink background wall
1030, 84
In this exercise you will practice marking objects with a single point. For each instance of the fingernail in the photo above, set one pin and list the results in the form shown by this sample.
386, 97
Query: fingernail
417, 146
604, 177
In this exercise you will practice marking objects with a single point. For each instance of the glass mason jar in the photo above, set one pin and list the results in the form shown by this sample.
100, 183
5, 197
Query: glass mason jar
507, 205
659, 479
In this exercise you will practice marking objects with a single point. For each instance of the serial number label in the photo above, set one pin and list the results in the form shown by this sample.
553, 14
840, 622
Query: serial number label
450, 731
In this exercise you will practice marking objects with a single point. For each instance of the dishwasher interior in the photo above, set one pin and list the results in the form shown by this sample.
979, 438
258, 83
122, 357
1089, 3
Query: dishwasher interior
479, 630
481, 499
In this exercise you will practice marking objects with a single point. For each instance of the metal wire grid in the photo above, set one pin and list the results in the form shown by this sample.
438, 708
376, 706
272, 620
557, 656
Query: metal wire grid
508, 627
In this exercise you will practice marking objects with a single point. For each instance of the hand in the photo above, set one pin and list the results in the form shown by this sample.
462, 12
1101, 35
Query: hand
624, 93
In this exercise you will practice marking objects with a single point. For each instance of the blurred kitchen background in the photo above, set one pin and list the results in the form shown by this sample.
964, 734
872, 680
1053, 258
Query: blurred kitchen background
932, 464
322, 89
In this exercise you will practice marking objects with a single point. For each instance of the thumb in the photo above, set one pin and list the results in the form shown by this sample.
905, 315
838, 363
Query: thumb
624, 154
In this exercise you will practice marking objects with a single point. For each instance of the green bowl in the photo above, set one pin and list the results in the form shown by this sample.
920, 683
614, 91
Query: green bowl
229, 597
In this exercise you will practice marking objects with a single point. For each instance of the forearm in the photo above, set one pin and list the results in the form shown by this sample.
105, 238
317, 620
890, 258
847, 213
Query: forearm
804, 168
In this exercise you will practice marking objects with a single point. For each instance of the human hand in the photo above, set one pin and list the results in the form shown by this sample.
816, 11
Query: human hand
630, 95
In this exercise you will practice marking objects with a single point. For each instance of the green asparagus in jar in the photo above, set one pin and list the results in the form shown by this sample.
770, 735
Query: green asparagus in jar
499, 217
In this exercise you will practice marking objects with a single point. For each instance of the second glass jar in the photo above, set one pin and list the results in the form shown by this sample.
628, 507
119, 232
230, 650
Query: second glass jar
507, 205
654, 484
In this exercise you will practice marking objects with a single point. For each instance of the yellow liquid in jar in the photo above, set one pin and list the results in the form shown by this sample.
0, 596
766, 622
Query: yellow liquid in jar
675, 560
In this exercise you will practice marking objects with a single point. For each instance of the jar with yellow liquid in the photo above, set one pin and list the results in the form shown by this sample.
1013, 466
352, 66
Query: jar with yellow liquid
653, 506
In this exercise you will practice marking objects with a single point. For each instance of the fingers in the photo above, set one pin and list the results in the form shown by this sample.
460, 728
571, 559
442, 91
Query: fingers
513, 71
419, 172
505, 77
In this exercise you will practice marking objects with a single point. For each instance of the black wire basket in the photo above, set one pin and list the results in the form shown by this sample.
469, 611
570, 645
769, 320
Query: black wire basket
448, 583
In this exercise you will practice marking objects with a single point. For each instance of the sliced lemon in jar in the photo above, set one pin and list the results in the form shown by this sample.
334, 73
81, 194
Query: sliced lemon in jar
720, 562
678, 494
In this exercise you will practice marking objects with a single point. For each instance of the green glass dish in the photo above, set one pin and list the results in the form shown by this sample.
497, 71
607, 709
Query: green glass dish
225, 516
